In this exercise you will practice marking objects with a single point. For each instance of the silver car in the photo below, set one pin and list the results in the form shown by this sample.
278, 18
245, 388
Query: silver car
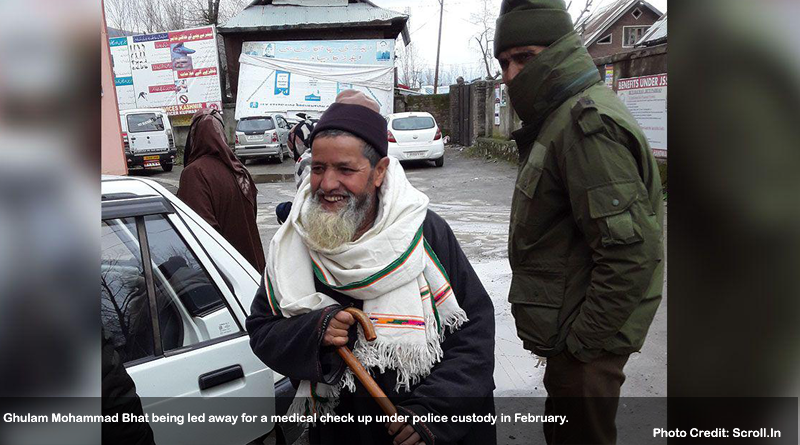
262, 136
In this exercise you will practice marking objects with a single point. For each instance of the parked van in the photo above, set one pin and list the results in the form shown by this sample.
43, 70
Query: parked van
148, 139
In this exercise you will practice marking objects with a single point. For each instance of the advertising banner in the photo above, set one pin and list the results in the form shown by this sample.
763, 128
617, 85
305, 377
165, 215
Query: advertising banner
307, 75
177, 71
646, 98
351, 52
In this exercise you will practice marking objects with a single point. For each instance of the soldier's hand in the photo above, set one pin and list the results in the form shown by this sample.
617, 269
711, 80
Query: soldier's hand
336, 334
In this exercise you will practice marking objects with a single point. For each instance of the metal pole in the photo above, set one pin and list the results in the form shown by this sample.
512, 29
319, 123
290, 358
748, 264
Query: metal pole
438, 49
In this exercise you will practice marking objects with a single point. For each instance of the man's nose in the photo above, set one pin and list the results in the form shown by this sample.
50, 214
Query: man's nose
330, 181
511, 72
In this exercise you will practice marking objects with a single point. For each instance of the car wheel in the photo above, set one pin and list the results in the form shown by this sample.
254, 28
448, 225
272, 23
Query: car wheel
167, 166
280, 156
439, 162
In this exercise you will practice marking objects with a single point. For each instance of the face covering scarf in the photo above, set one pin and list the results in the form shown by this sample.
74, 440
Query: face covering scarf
391, 268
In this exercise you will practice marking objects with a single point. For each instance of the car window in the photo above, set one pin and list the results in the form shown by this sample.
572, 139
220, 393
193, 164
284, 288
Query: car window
124, 303
256, 124
141, 122
413, 123
191, 307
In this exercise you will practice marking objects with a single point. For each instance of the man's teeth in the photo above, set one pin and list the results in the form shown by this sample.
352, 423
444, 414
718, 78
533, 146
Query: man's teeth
333, 198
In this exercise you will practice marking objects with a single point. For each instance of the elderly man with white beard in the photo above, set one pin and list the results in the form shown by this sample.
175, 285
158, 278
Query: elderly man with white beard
360, 235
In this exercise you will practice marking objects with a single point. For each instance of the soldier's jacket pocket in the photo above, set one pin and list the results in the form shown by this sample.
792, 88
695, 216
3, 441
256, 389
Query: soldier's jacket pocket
611, 206
532, 171
527, 181
536, 299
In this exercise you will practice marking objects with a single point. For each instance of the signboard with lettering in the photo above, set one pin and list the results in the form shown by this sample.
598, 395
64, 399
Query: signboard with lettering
177, 71
293, 76
646, 98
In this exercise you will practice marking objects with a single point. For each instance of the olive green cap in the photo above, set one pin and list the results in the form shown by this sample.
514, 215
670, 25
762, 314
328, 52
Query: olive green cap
530, 22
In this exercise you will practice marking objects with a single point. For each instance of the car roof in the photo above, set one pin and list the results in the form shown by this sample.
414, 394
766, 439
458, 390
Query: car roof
410, 114
123, 196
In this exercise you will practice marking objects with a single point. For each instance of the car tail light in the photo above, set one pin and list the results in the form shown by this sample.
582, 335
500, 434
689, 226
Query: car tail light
391, 137
438, 135
126, 145
171, 139
275, 136
237, 139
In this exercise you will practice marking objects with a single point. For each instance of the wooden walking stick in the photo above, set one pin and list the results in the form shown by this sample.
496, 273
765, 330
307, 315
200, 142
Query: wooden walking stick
358, 369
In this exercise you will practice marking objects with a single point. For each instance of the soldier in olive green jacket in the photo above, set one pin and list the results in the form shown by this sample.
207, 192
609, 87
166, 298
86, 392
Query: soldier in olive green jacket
586, 239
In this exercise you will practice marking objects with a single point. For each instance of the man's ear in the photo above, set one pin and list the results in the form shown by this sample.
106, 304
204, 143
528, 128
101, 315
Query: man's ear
380, 171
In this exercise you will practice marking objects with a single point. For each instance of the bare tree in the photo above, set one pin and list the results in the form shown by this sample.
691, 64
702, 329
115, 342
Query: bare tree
583, 17
215, 12
485, 19
150, 16
410, 65
121, 14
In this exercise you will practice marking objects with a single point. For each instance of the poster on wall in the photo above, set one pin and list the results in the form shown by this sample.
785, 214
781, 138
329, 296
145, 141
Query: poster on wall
609, 75
306, 76
177, 71
646, 98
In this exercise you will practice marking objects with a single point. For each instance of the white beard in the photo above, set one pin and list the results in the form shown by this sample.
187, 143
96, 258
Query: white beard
328, 230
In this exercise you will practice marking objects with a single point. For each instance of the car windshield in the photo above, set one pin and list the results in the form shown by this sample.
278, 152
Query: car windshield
413, 123
257, 124
138, 123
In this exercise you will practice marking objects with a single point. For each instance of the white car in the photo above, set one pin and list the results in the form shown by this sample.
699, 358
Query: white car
415, 136
193, 353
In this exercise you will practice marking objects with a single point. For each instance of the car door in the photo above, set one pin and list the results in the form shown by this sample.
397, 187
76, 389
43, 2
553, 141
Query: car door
179, 330
283, 131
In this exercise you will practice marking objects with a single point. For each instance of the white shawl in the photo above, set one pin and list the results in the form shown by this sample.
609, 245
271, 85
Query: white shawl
391, 268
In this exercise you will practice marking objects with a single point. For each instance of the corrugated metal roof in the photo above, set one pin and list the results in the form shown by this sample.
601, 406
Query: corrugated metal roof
656, 34
283, 17
598, 22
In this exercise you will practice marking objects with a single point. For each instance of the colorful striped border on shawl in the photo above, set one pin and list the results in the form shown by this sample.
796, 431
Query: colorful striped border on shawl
372, 279
435, 311
442, 294
394, 321
273, 302
435, 259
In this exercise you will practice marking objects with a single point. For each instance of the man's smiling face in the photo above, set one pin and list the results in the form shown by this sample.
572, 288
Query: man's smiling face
340, 171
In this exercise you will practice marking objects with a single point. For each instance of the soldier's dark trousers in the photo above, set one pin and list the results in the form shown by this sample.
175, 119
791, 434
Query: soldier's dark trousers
588, 394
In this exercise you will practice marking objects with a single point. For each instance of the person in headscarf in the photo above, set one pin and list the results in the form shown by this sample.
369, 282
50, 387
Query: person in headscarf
216, 185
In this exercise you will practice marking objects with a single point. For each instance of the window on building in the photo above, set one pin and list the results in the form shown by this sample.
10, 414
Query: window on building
632, 34
605, 40
636, 13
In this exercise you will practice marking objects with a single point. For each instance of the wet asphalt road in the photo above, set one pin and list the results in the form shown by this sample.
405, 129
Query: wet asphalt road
474, 196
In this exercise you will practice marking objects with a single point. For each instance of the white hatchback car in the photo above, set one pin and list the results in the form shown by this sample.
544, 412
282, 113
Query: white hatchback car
174, 299
415, 136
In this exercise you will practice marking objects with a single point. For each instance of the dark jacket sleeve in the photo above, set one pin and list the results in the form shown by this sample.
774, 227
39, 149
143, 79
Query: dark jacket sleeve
611, 208
194, 190
463, 380
293, 346
119, 396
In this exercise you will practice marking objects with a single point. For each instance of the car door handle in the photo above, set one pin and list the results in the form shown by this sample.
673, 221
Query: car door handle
220, 376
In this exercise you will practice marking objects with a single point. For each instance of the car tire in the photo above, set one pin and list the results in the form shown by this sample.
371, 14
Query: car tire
167, 167
439, 162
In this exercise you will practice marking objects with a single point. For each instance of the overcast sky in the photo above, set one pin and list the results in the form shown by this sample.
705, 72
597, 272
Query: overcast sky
458, 44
